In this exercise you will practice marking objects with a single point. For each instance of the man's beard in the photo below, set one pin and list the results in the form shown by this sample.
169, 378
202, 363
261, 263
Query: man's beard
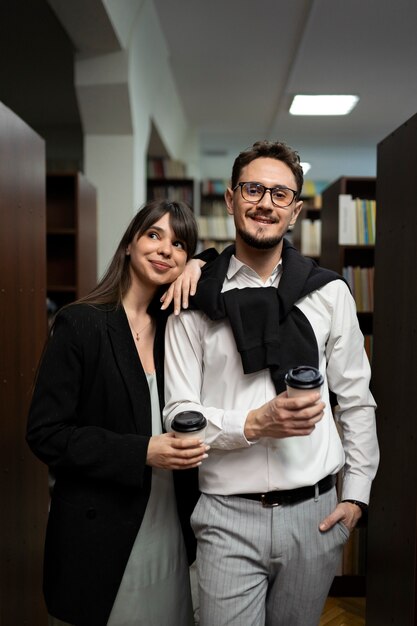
261, 243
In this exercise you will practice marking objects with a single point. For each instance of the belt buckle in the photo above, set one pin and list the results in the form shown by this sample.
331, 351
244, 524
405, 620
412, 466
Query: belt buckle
266, 504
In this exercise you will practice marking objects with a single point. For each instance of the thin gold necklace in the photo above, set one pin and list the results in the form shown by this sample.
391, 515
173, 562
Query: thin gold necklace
137, 332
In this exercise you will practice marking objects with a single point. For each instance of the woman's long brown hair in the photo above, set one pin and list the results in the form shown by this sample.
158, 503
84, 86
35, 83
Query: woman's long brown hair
116, 281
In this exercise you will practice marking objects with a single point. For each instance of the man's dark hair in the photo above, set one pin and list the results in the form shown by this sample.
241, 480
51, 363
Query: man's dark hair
273, 150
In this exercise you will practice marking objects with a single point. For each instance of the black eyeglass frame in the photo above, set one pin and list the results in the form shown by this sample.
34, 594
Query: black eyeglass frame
270, 189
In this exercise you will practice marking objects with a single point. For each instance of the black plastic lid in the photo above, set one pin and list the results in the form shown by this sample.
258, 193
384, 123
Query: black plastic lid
304, 377
188, 422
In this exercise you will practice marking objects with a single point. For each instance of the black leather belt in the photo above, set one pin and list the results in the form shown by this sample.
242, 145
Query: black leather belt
290, 496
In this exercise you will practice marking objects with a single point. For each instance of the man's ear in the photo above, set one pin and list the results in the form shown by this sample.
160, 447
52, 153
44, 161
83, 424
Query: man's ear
296, 212
228, 197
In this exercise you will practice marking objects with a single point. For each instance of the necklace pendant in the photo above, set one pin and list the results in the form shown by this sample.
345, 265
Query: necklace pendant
136, 333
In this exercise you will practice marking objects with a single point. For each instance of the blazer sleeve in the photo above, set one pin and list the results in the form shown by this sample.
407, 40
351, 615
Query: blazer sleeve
207, 255
68, 428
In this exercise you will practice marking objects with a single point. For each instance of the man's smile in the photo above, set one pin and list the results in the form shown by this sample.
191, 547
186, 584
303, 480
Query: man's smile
261, 218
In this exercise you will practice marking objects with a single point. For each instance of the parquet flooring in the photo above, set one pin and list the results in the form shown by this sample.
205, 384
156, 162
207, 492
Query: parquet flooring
343, 612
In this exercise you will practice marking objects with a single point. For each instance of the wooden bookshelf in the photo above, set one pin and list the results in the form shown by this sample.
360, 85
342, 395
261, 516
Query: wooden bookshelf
164, 167
71, 237
167, 181
334, 256
216, 226
174, 189
306, 234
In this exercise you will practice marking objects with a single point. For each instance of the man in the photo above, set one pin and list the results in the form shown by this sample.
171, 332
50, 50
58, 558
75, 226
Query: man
270, 531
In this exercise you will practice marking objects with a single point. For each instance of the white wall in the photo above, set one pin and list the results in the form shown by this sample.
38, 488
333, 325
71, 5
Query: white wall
119, 95
108, 165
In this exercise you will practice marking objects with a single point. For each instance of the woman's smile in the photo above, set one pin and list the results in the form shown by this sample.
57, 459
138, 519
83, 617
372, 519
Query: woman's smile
161, 266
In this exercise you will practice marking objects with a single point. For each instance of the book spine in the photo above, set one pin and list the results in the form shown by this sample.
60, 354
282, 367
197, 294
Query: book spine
347, 220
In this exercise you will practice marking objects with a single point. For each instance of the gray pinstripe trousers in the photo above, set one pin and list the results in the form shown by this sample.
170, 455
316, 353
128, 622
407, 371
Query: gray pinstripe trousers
261, 566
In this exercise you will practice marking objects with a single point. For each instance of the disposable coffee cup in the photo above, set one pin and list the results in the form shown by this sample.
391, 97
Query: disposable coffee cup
189, 424
303, 379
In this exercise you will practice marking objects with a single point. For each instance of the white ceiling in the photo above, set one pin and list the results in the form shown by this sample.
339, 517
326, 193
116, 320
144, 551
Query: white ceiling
237, 63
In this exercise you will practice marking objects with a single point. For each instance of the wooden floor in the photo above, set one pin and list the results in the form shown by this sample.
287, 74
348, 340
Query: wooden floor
343, 612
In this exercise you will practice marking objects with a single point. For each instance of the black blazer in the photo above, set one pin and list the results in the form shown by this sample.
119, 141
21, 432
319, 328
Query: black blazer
90, 422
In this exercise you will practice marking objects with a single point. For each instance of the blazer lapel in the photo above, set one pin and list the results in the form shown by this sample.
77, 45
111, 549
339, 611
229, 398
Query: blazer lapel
131, 370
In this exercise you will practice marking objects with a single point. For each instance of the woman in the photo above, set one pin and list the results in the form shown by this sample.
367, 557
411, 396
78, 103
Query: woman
114, 551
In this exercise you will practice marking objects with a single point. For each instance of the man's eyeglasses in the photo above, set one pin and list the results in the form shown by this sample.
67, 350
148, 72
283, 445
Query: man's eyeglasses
254, 192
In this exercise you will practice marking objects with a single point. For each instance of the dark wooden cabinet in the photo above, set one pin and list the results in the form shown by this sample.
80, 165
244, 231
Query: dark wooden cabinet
392, 529
71, 237
23, 479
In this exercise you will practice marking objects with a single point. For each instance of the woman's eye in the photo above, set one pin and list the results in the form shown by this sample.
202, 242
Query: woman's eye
179, 244
152, 235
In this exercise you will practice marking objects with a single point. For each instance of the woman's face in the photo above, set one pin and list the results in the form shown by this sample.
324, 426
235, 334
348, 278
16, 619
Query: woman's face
157, 257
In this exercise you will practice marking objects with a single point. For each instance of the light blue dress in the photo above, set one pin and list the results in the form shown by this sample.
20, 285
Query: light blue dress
155, 588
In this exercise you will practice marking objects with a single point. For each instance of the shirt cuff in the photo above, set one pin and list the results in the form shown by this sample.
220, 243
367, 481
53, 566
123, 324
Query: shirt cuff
356, 488
225, 429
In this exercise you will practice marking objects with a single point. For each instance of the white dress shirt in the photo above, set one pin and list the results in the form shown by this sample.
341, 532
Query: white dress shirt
203, 372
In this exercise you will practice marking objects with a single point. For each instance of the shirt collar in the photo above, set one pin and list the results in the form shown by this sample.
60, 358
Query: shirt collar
236, 266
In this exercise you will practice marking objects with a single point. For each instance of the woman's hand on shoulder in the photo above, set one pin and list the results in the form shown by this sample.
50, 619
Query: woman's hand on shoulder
169, 452
183, 287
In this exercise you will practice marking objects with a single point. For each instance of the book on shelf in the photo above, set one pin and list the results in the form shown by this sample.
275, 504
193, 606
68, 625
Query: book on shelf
214, 186
161, 167
174, 193
361, 283
356, 220
216, 227
311, 237
202, 226
213, 207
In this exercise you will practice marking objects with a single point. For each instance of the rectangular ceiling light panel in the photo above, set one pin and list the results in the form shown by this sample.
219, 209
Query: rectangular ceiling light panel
323, 105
